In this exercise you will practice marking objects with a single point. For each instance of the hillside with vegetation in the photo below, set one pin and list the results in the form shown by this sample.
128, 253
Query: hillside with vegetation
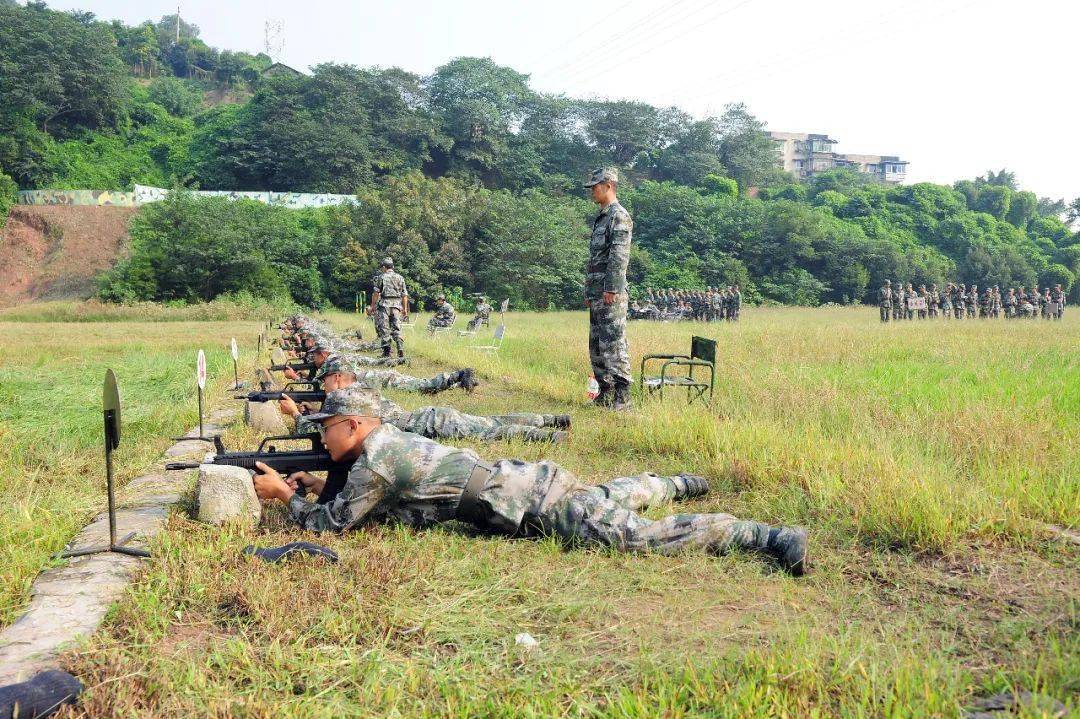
469, 177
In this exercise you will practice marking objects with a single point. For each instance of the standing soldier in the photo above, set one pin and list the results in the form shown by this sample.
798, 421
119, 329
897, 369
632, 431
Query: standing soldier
959, 300
987, 303
933, 301
605, 291
925, 296
1010, 304
972, 301
1058, 296
389, 304
884, 301
995, 306
946, 301
1047, 302
1036, 301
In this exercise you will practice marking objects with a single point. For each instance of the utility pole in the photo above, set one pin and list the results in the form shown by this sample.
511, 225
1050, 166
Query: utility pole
177, 23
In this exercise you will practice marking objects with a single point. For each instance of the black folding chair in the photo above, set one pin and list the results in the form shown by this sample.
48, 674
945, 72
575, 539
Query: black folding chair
702, 354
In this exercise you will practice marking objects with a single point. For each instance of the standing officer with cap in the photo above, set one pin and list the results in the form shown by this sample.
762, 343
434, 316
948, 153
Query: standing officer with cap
605, 291
389, 304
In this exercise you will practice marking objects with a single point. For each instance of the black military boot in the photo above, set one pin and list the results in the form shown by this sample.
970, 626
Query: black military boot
386, 351
466, 379
690, 486
606, 395
788, 544
559, 421
621, 401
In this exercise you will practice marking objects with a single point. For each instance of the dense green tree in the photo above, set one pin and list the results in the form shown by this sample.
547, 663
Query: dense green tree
478, 105
60, 75
745, 150
174, 95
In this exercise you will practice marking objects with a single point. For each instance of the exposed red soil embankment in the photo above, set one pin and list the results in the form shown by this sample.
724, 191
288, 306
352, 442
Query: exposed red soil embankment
54, 252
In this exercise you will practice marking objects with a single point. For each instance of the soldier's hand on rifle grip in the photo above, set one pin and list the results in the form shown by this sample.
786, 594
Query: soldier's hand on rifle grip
290, 373
288, 406
306, 482
270, 485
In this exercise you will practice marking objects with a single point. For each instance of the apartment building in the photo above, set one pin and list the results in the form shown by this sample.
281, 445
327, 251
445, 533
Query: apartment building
803, 154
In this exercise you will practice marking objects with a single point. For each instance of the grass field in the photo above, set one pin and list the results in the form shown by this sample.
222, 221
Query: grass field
926, 459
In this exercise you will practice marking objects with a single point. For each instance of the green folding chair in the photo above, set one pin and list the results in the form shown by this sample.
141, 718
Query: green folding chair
702, 355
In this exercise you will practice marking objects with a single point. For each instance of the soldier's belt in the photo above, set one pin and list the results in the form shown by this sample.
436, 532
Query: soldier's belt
469, 508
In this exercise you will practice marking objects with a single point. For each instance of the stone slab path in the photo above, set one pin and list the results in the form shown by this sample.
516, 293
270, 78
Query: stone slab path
69, 602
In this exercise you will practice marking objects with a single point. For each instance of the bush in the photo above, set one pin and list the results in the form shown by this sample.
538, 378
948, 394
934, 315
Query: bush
8, 195
176, 96
196, 249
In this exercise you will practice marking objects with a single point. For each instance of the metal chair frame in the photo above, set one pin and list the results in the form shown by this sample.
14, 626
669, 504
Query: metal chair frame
702, 354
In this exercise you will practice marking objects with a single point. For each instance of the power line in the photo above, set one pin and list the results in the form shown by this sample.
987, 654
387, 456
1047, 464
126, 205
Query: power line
775, 59
550, 51
678, 36
590, 54
756, 76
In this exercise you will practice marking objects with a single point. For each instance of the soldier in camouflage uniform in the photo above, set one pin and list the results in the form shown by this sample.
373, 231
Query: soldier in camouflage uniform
389, 305
483, 315
436, 422
400, 476
1058, 298
885, 301
934, 301
605, 292
959, 300
444, 317
925, 295
379, 378
972, 301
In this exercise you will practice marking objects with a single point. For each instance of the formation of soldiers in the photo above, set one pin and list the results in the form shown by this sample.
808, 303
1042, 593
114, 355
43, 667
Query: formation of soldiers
709, 305
398, 471
958, 301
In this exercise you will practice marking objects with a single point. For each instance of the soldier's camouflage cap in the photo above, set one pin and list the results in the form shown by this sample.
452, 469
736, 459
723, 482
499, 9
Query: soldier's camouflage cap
602, 174
353, 401
334, 363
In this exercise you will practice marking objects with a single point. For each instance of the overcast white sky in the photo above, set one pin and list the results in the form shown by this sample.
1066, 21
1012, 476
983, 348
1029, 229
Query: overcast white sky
956, 87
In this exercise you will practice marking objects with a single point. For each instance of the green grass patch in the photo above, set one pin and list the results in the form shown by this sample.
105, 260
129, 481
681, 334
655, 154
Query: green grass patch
925, 458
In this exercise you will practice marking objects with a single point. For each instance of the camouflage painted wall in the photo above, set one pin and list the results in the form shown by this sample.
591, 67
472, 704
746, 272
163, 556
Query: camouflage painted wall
144, 194
100, 198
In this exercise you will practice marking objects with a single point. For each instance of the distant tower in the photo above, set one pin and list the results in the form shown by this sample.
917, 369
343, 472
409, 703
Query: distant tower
274, 39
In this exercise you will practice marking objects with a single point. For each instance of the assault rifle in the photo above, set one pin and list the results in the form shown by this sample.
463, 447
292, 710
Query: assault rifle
274, 396
294, 366
284, 462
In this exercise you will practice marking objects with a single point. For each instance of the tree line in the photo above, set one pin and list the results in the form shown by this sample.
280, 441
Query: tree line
469, 177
